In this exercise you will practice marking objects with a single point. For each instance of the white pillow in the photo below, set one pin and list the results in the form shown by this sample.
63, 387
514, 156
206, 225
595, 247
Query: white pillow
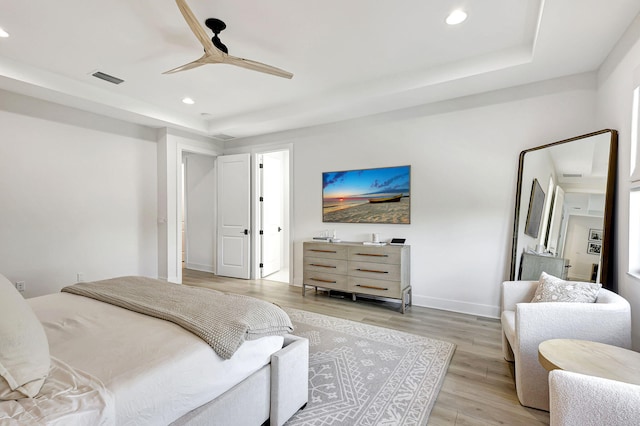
553, 289
24, 349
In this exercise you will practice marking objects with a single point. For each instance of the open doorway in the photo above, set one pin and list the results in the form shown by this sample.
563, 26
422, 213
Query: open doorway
273, 216
198, 211
205, 259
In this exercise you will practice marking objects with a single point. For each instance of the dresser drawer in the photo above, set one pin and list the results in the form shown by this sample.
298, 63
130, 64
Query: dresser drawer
324, 280
375, 287
327, 265
384, 254
325, 250
376, 271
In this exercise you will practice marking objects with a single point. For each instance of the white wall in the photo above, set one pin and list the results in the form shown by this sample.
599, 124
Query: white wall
78, 195
618, 77
86, 194
464, 157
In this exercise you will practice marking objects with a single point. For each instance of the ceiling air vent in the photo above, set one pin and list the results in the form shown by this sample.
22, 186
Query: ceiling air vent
107, 77
223, 137
572, 175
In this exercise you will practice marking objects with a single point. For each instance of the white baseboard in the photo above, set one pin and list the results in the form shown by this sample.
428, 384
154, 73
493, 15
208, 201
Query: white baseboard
457, 306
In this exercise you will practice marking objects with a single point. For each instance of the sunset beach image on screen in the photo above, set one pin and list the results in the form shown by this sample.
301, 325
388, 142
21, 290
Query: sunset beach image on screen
380, 195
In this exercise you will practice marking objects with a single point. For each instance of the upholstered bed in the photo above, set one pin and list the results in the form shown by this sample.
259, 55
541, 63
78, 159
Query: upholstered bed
114, 366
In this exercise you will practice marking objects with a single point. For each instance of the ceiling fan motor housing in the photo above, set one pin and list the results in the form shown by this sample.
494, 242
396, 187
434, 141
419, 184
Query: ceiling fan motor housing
216, 25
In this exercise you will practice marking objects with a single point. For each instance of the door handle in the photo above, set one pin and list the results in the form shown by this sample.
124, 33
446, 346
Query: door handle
279, 229
246, 232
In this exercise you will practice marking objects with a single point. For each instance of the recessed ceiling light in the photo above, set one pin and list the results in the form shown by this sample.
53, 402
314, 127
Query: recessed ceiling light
456, 17
188, 101
3, 33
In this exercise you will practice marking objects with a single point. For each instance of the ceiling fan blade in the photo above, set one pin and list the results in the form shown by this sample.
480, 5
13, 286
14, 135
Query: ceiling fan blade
256, 66
197, 29
190, 65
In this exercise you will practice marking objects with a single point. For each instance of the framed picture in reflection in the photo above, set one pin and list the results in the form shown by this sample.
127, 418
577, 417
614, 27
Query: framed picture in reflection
534, 215
594, 247
595, 234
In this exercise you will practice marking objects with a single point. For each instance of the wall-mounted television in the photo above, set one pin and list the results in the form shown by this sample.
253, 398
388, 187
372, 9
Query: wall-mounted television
381, 195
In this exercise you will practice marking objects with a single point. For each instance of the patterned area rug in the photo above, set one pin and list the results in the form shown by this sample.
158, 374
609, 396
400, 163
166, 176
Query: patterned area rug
361, 374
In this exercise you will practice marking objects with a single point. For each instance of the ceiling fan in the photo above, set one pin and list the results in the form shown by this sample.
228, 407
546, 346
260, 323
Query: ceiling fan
214, 51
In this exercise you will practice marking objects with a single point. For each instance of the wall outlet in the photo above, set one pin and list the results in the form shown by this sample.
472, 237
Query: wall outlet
21, 286
80, 277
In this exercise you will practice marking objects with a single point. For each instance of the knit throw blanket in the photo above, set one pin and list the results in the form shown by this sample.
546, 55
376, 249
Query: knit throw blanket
222, 320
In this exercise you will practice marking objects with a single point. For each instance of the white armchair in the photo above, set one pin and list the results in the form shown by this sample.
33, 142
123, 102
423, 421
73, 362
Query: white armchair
577, 399
525, 325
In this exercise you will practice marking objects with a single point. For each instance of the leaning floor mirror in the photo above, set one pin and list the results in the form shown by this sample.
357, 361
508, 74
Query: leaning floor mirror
563, 222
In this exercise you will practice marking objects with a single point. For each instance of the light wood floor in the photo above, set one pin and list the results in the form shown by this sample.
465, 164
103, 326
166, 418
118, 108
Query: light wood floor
478, 388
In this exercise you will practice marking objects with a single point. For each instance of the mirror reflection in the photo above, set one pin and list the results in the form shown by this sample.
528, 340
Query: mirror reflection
564, 203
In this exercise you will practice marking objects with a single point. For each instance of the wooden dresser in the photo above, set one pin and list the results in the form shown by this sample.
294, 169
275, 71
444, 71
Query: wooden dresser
358, 269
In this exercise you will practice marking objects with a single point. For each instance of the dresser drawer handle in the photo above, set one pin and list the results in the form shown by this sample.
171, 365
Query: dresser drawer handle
322, 266
323, 281
372, 287
372, 254
323, 251
372, 270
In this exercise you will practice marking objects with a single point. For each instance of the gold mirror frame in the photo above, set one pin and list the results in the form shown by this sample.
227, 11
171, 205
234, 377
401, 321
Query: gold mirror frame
607, 263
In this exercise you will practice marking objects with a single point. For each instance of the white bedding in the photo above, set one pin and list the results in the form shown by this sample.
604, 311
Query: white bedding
68, 396
155, 370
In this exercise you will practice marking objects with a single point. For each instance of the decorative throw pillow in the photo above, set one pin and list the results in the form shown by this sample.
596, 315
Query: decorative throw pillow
24, 349
553, 289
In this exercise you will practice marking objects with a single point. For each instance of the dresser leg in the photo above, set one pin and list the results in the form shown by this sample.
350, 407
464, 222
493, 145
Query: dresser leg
406, 298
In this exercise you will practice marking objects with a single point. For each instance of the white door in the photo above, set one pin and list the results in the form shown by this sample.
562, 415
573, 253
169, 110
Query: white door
272, 183
234, 211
